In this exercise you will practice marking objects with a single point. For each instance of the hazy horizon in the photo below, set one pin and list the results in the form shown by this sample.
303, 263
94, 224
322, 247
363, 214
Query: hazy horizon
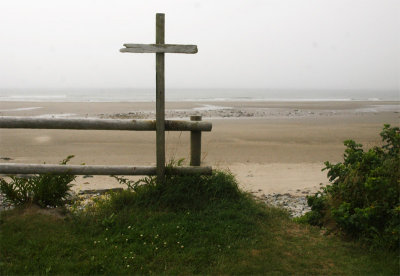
193, 94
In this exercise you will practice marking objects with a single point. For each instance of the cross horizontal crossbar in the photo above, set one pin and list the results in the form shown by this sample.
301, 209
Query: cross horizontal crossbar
159, 48
100, 124
14, 168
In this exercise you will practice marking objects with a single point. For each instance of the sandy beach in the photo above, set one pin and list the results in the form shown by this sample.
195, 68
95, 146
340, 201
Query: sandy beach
272, 147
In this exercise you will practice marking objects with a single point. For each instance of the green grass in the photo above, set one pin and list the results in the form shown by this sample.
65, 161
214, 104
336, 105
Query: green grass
189, 225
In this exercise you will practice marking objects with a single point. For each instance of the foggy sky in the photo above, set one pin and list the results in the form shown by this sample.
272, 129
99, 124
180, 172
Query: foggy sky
286, 44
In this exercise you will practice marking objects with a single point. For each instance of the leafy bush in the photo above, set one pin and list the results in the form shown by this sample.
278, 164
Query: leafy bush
43, 189
363, 198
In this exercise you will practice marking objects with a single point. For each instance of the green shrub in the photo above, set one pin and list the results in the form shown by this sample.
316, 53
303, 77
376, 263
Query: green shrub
43, 189
363, 198
177, 192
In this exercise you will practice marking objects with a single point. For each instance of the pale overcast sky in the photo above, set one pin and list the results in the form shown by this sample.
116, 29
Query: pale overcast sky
302, 44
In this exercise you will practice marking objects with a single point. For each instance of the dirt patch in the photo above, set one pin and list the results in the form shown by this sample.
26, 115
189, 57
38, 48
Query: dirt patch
255, 252
35, 209
296, 230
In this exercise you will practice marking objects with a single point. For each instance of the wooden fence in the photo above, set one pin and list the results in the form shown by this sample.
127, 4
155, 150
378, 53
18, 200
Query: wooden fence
195, 126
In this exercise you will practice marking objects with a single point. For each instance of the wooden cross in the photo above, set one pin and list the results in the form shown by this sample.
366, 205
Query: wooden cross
160, 48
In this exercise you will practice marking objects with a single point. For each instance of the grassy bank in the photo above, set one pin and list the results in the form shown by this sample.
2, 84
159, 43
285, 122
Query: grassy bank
197, 225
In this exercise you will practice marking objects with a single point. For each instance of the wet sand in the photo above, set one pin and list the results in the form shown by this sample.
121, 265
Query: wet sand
270, 146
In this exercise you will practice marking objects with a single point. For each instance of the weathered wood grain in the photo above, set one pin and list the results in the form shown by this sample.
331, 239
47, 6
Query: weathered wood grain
100, 124
159, 48
195, 144
14, 168
160, 99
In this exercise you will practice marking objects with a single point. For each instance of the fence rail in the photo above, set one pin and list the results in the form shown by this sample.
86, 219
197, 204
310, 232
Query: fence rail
14, 168
101, 124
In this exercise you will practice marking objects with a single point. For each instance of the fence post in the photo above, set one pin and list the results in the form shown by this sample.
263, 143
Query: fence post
160, 100
195, 144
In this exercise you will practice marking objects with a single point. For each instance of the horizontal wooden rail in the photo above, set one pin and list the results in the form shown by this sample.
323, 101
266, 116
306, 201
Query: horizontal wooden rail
14, 168
100, 124
159, 48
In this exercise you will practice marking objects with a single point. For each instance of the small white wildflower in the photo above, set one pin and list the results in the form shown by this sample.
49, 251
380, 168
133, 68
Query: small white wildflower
127, 266
129, 227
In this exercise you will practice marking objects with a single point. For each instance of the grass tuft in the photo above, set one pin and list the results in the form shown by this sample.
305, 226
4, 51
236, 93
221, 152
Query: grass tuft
178, 192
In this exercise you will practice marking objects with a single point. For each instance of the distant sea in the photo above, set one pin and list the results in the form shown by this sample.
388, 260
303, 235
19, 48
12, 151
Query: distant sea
196, 95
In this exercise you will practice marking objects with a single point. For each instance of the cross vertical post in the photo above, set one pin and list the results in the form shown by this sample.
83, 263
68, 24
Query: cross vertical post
160, 48
160, 99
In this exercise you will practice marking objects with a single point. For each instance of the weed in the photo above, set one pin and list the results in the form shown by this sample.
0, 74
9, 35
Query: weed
43, 189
